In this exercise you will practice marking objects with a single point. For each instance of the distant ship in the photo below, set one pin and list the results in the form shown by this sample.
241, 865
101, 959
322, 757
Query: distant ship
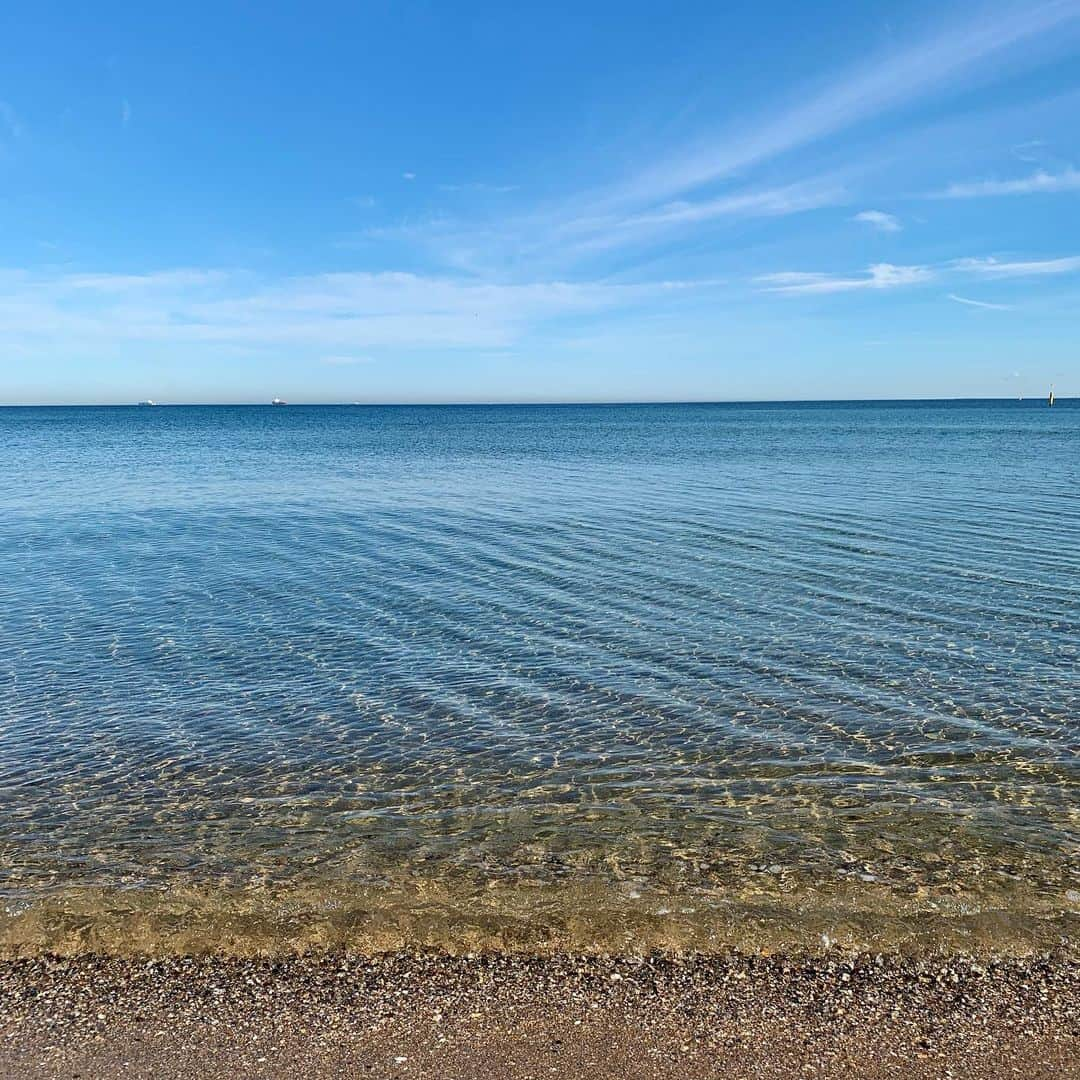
1050, 399
279, 401
147, 402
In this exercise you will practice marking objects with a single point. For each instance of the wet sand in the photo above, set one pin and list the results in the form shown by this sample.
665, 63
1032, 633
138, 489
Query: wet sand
517, 1016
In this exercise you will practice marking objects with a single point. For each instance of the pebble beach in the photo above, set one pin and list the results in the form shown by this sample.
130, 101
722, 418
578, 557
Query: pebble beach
519, 1016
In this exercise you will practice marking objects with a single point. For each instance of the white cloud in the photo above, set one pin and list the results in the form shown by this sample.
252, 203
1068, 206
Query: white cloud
9, 119
664, 189
408, 176
766, 203
888, 276
338, 316
878, 276
162, 280
584, 235
550, 239
878, 219
1038, 183
966, 50
1029, 151
479, 186
978, 303
996, 268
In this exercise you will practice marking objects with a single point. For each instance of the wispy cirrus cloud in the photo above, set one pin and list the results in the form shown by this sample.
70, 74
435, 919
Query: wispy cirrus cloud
969, 49
161, 281
592, 234
339, 315
878, 276
9, 121
549, 239
1038, 183
967, 301
704, 181
889, 276
769, 202
879, 220
991, 267
480, 186
1030, 150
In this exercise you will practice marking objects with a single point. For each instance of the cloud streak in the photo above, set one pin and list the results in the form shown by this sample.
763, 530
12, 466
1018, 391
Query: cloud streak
707, 181
1029, 268
889, 276
978, 303
331, 313
549, 240
9, 119
961, 52
599, 233
1039, 183
879, 220
878, 276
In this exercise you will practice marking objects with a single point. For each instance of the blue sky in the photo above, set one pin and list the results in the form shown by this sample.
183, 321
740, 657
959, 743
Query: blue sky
591, 201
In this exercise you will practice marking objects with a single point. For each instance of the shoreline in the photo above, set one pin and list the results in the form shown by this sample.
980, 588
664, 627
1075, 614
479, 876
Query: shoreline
511, 1015
768, 911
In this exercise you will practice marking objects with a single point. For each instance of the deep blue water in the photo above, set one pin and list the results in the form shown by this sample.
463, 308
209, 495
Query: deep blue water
678, 646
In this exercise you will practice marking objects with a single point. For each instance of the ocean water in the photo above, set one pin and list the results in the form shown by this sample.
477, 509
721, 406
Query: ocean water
592, 677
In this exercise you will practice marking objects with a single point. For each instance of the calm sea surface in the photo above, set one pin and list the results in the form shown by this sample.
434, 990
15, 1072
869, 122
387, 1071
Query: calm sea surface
579, 676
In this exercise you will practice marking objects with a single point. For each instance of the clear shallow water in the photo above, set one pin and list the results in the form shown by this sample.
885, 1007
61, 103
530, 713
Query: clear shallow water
586, 676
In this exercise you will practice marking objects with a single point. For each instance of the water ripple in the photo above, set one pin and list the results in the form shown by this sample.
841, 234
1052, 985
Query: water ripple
331, 648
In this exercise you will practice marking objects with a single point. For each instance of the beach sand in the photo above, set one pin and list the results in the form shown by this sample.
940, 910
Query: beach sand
518, 1016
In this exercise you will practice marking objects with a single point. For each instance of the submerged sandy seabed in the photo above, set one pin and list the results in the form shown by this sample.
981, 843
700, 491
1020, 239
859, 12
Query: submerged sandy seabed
767, 914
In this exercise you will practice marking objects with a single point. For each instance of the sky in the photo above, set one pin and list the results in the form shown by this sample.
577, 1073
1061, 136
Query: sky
464, 201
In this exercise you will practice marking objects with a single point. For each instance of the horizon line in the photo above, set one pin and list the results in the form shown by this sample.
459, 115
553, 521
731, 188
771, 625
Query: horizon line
540, 403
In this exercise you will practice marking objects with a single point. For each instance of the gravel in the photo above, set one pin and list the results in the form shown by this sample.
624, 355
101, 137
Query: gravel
518, 1016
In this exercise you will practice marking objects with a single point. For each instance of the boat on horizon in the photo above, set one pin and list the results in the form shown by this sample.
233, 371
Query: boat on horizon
1050, 399
279, 401
146, 403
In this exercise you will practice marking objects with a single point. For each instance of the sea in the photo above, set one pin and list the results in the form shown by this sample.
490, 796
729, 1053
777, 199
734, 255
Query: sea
591, 678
